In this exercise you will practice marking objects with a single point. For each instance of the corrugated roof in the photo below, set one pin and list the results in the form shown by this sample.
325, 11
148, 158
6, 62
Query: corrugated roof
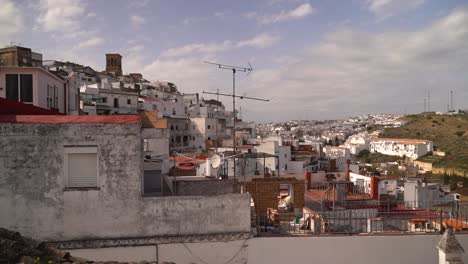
63, 119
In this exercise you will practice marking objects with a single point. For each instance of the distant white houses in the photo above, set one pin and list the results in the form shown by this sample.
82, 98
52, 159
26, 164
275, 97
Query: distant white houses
357, 143
411, 148
336, 152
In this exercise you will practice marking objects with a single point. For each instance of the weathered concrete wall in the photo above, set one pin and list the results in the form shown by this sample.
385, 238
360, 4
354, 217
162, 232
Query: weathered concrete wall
33, 199
234, 252
341, 249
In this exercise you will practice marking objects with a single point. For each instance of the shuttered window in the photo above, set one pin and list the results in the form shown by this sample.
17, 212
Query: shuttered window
81, 167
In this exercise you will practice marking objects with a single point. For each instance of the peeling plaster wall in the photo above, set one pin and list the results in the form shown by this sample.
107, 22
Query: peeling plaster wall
33, 199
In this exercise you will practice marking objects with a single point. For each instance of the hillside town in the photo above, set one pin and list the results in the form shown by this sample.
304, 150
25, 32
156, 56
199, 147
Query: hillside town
101, 159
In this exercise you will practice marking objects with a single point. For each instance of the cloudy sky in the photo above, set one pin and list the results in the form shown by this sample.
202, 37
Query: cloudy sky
314, 59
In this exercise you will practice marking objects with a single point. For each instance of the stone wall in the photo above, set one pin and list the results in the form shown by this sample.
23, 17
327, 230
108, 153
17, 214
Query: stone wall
35, 202
207, 187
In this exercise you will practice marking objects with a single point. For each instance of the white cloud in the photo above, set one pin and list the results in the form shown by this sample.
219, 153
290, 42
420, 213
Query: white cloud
89, 43
91, 15
138, 3
60, 15
261, 41
348, 72
351, 72
11, 20
189, 73
198, 48
299, 12
219, 15
385, 8
137, 21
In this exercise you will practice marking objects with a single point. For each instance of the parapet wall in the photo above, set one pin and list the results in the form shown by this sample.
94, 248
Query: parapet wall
35, 202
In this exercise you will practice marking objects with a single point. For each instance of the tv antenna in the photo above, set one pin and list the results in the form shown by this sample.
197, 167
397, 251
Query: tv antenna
234, 69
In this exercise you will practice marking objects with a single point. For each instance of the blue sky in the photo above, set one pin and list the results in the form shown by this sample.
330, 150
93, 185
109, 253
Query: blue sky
315, 59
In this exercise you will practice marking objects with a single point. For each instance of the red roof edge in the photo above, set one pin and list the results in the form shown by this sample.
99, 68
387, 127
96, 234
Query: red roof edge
11, 107
64, 119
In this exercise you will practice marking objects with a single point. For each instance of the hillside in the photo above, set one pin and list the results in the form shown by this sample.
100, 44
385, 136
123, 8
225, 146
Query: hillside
448, 132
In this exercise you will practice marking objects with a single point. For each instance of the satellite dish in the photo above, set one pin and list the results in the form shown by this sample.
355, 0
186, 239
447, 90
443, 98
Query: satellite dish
215, 161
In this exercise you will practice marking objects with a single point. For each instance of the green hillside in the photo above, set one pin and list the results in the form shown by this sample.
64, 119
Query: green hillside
448, 132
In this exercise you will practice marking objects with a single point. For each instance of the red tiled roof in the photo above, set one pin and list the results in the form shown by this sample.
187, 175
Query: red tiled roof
64, 119
10, 107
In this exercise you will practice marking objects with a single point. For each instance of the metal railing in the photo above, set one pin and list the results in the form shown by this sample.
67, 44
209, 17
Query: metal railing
362, 221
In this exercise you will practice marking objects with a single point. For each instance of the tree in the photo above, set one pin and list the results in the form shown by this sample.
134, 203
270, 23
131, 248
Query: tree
337, 141
299, 133
363, 155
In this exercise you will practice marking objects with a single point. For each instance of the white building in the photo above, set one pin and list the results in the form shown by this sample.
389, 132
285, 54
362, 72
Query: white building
109, 97
361, 182
357, 142
39, 87
411, 148
336, 152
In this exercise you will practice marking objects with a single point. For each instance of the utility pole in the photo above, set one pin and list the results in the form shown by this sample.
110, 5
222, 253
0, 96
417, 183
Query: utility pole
428, 100
451, 100
424, 105
217, 118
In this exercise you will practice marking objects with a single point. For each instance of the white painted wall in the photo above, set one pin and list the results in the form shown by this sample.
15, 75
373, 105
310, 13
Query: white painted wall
41, 79
389, 249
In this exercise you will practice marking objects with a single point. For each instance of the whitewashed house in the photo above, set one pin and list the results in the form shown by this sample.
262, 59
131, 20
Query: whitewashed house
411, 148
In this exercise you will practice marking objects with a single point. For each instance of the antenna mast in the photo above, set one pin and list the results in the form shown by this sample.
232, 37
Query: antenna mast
234, 69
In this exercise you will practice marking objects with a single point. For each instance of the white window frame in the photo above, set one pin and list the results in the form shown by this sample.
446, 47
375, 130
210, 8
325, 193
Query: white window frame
77, 150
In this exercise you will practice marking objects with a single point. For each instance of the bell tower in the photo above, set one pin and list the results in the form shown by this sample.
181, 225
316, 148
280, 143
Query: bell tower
114, 64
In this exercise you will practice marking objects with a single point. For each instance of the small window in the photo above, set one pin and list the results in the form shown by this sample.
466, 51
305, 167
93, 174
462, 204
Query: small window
12, 82
26, 88
55, 97
81, 167
145, 145
116, 102
129, 101
104, 100
209, 127
19, 87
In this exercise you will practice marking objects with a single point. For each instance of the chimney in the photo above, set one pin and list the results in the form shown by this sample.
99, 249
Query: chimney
450, 250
